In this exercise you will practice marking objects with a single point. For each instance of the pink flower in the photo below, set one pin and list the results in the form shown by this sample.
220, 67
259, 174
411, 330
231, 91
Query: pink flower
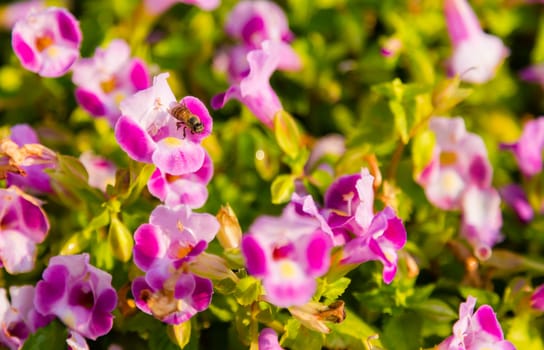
481, 219
515, 197
189, 189
156, 7
537, 298
289, 252
79, 294
19, 10
24, 224
528, 148
268, 340
163, 248
256, 21
459, 160
20, 319
365, 235
36, 180
254, 89
47, 42
101, 171
474, 331
104, 80
476, 55
149, 133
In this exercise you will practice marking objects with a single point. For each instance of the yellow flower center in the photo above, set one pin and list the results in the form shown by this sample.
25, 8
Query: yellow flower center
172, 141
108, 85
448, 158
43, 42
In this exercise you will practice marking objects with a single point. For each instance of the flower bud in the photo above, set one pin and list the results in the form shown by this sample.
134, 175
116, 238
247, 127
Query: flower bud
120, 239
230, 233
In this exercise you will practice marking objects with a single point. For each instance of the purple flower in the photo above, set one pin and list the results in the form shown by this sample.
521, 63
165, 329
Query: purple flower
254, 89
459, 160
256, 21
367, 236
476, 55
268, 340
481, 219
289, 252
533, 74
528, 148
149, 133
19, 10
79, 294
23, 225
515, 197
325, 148
537, 298
158, 6
473, 331
20, 319
189, 189
47, 42
35, 178
104, 80
76, 341
101, 171
163, 248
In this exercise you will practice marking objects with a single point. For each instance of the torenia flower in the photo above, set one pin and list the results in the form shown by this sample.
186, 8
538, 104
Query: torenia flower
149, 133
268, 340
101, 171
158, 6
254, 89
537, 298
366, 235
289, 252
47, 42
19, 319
79, 294
473, 331
459, 160
476, 55
34, 178
515, 197
189, 189
481, 219
24, 224
163, 248
528, 148
105, 79
11, 13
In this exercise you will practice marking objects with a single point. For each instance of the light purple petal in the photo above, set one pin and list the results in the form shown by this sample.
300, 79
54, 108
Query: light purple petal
177, 157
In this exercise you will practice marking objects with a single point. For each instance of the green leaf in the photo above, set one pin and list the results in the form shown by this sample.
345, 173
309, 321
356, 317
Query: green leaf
524, 333
436, 310
282, 188
352, 333
403, 332
52, 336
331, 291
297, 337
447, 94
287, 134
248, 290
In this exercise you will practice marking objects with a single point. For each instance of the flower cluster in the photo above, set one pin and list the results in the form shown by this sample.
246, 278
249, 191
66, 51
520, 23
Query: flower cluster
458, 177
263, 29
164, 248
47, 42
476, 55
156, 7
476, 330
365, 235
105, 79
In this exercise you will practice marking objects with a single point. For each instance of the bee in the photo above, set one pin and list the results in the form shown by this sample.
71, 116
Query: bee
186, 119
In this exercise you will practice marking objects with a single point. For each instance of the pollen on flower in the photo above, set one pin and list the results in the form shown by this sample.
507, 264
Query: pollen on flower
451, 183
172, 141
108, 85
43, 42
448, 158
287, 268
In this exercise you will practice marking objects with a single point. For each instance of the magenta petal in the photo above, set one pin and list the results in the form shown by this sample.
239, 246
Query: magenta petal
177, 157
134, 140
199, 109
255, 256
26, 54
139, 75
147, 245
317, 254
68, 27
90, 102
52, 289
487, 319
138, 286
157, 185
202, 294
